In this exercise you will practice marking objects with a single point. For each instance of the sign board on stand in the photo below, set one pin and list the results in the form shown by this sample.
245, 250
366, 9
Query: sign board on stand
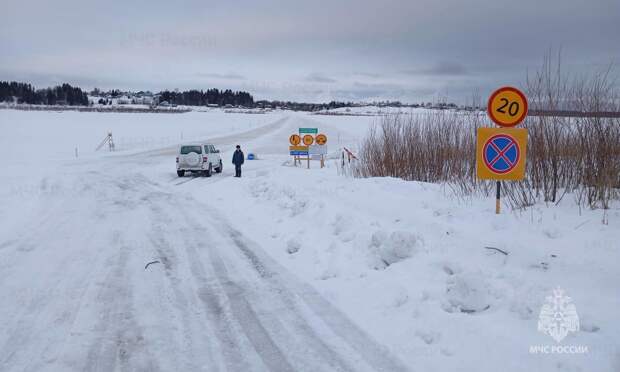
308, 136
501, 152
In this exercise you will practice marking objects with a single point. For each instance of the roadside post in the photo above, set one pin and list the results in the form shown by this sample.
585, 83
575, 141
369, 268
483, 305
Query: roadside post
308, 140
501, 152
321, 141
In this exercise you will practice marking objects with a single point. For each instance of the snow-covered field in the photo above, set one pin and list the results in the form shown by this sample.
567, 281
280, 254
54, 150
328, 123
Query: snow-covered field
285, 269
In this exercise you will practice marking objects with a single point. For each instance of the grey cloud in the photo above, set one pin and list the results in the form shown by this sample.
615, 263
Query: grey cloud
378, 91
392, 48
319, 78
371, 75
228, 76
440, 69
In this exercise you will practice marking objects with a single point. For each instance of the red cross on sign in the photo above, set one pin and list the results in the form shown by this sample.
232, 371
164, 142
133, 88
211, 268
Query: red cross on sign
501, 153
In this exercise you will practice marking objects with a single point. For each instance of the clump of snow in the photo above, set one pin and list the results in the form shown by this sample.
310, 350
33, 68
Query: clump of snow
428, 336
552, 233
293, 246
399, 245
286, 197
468, 292
401, 297
523, 303
342, 227
587, 324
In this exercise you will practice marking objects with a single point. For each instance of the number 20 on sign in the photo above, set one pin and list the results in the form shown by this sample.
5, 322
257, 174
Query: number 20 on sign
507, 107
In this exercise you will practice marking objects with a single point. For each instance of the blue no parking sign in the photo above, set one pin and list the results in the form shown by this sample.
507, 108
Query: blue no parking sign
501, 153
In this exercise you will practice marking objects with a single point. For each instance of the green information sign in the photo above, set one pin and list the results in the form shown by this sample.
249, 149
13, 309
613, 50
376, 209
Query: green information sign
308, 130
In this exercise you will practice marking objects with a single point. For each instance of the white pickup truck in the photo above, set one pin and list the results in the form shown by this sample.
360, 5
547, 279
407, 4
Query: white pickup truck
201, 158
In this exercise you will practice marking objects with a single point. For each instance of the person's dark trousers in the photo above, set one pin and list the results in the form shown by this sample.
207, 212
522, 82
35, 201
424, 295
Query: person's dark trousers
237, 171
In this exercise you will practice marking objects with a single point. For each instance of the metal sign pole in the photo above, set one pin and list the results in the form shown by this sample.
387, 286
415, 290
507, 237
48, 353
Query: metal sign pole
497, 197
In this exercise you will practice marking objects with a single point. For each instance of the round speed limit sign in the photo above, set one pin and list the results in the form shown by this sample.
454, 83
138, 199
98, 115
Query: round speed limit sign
294, 139
308, 140
507, 107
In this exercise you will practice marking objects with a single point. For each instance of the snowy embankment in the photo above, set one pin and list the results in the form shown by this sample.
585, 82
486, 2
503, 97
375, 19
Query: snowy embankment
426, 274
445, 284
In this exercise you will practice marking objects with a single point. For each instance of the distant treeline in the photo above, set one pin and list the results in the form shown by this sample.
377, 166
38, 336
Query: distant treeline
25, 93
208, 97
66, 94
302, 106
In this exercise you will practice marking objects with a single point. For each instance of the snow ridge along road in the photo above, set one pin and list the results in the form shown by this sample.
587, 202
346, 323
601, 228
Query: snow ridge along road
76, 294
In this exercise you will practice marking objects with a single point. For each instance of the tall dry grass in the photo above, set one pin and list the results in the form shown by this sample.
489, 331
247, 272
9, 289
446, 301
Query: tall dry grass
576, 156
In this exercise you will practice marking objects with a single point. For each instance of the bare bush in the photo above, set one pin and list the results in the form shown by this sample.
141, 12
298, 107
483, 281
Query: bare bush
580, 155
429, 147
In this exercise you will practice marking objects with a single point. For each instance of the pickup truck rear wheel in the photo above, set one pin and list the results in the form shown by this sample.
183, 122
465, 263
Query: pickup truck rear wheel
180, 173
220, 168
209, 171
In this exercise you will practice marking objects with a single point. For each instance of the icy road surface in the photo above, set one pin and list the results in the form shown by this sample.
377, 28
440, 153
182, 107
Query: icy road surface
76, 295
285, 269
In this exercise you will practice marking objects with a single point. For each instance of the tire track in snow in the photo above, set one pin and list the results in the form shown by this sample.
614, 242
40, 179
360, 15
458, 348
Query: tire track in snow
239, 331
257, 328
375, 354
67, 277
219, 177
235, 304
286, 323
30, 240
236, 352
195, 330
120, 340
45, 305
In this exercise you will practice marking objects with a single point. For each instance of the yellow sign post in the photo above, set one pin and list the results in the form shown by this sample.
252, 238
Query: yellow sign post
500, 152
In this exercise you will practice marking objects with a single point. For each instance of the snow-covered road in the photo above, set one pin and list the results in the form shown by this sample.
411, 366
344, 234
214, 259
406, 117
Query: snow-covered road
76, 294
111, 262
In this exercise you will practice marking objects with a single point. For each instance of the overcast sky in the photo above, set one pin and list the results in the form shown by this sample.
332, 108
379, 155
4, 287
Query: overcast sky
318, 50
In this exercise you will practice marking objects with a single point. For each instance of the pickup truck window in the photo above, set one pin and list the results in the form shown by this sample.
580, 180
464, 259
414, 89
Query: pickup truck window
187, 149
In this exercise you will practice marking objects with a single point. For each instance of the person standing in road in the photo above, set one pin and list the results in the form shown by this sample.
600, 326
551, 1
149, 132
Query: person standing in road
237, 160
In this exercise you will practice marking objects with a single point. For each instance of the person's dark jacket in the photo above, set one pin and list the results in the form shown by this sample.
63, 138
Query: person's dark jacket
238, 158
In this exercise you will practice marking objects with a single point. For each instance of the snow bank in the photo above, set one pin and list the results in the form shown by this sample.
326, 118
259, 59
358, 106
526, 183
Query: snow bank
396, 247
